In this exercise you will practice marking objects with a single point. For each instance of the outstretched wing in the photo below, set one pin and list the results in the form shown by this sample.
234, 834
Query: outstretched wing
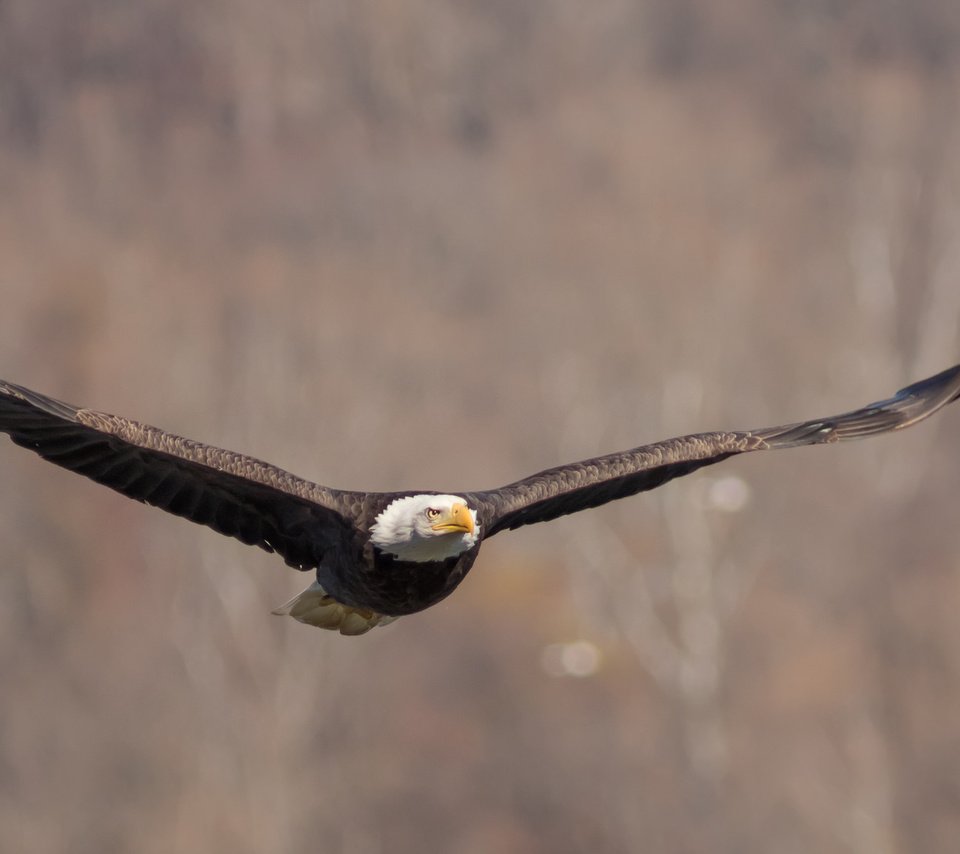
236, 495
590, 483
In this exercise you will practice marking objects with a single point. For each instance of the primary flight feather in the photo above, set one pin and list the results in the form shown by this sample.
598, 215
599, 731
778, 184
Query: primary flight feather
380, 555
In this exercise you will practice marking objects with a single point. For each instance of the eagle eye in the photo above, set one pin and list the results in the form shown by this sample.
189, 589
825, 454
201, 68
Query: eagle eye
432, 512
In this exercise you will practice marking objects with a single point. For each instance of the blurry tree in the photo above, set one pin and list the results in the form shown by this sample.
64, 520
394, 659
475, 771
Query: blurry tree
336, 235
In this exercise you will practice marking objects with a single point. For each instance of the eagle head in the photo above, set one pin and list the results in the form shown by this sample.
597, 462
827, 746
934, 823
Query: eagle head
424, 528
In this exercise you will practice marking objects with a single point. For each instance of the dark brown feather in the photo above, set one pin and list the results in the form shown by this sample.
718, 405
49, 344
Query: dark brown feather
239, 496
590, 483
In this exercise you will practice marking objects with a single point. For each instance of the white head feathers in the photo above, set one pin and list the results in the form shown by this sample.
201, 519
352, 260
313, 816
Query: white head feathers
426, 528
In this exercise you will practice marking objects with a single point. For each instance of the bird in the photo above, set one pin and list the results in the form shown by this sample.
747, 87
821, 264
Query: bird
377, 556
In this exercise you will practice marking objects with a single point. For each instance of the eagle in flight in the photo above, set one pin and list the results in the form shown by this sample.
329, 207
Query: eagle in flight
380, 555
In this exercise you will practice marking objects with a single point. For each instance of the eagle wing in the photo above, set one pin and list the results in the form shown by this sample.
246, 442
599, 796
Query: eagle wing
590, 483
239, 496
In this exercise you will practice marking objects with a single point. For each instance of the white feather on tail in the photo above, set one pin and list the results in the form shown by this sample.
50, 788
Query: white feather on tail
315, 607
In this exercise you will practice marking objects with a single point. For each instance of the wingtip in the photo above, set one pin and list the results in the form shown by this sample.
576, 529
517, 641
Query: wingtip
25, 397
946, 383
910, 405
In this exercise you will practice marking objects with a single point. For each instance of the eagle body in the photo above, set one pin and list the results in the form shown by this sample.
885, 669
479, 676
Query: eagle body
377, 556
363, 576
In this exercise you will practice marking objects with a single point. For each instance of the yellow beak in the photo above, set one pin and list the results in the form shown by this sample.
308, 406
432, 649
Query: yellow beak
458, 521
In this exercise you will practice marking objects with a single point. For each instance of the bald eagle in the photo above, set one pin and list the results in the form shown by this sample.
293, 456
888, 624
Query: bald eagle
380, 555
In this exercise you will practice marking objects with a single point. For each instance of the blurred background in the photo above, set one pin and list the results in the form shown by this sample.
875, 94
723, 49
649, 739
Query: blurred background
443, 245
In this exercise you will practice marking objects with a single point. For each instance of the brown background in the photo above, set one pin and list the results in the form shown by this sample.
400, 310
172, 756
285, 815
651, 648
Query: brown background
444, 244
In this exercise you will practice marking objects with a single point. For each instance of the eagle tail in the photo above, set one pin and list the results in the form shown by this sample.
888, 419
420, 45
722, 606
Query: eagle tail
315, 607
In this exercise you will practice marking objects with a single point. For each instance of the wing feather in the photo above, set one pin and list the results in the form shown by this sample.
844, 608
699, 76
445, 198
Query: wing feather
236, 495
590, 483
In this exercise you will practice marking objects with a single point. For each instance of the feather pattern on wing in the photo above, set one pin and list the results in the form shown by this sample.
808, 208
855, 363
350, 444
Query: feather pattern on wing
239, 496
593, 482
